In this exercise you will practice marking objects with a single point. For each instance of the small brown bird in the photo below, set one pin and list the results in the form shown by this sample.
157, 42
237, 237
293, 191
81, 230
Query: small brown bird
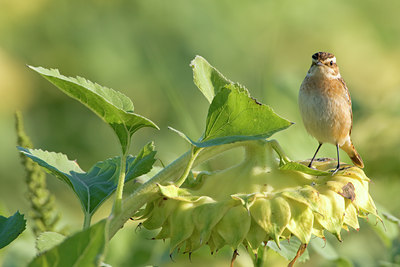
325, 107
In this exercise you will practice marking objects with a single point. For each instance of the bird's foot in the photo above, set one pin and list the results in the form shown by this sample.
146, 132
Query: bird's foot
311, 167
334, 171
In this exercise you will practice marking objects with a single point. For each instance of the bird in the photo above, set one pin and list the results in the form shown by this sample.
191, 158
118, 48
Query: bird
325, 107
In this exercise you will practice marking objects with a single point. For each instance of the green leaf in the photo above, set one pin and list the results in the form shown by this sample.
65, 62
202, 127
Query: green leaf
48, 240
288, 250
324, 248
96, 185
391, 218
327, 251
234, 116
207, 78
85, 248
295, 166
113, 107
11, 228
388, 229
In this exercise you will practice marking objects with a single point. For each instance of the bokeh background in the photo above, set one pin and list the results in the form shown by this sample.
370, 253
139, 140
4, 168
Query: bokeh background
143, 48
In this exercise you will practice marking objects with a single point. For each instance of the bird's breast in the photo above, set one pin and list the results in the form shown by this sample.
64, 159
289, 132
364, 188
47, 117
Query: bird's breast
324, 109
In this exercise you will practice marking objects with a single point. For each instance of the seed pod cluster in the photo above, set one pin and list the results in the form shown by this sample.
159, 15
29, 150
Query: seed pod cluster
257, 201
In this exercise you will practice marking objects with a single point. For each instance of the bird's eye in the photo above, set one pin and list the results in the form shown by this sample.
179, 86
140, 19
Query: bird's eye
331, 63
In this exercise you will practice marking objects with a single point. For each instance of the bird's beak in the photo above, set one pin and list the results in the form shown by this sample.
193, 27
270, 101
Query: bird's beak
319, 63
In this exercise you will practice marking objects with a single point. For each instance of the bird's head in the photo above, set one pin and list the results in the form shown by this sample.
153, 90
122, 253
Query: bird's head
324, 63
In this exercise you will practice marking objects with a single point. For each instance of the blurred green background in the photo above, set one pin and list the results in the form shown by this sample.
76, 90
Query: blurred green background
143, 48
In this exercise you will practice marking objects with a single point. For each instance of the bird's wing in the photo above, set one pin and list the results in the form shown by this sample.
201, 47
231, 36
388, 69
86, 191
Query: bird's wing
347, 94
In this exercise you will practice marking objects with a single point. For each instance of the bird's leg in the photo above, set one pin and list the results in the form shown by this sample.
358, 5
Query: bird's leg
319, 146
338, 161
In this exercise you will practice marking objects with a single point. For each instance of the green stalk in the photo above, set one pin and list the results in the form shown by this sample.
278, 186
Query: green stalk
278, 149
86, 220
261, 257
194, 153
148, 191
120, 188
121, 181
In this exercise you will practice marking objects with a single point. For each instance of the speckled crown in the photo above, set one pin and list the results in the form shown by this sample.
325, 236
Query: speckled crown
322, 56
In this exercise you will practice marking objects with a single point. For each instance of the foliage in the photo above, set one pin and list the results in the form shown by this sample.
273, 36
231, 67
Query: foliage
234, 119
143, 49
84, 248
113, 107
95, 186
11, 228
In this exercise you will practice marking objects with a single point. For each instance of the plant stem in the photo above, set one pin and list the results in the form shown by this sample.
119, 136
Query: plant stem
278, 149
261, 256
120, 187
86, 220
194, 153
148, 191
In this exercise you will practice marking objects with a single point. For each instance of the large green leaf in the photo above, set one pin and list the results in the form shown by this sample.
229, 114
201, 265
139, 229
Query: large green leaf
96, 185
234, 116
11, 228
207, 78
85, 248
48, 240
113, 107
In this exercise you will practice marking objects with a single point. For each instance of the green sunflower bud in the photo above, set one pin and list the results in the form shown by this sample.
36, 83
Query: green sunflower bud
258, 200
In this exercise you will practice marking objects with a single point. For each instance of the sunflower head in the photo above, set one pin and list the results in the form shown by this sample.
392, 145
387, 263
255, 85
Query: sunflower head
260, 199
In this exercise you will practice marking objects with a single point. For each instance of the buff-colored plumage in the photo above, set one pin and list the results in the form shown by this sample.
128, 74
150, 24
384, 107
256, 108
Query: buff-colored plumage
325, 106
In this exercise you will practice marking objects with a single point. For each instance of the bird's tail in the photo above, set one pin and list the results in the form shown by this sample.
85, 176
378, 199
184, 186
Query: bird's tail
349, 148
